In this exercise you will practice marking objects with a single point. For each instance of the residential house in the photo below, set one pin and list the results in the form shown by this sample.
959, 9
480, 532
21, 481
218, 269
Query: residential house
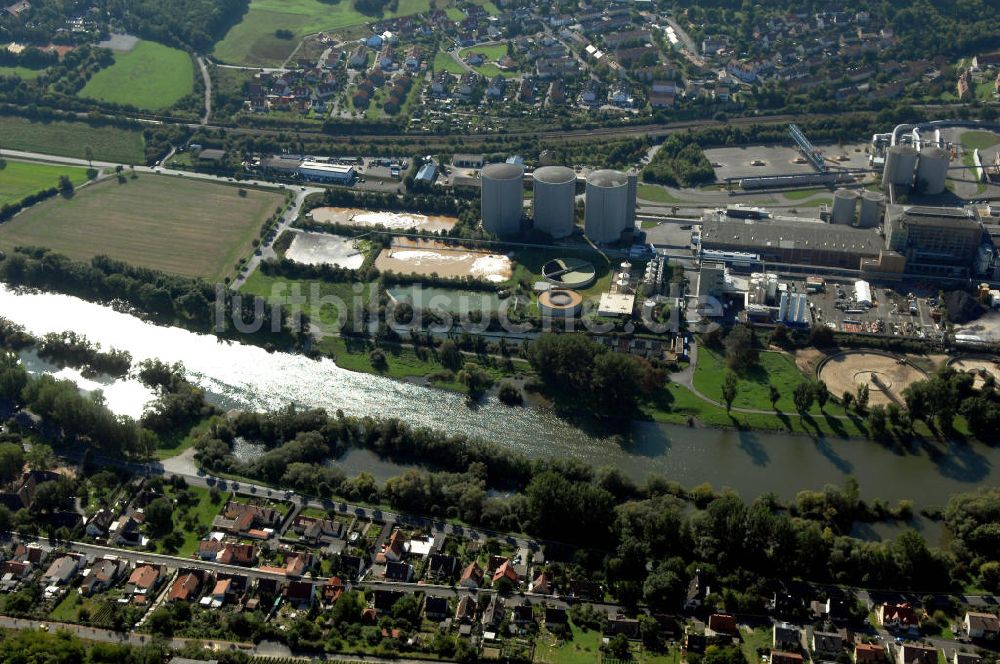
836, 609
358, 58
436, 608
243, 519
412, 59
696, 592
782, 657
964, 87
722, 624
61, 571
965, 658
785, 637
556, 615
542, 585
102, 575
209, 549
97, 525
467, 161
492, 615
897, 616
827, 643
351, 566
317, 531
331, 591
662, 100
398, 571
300, 593
497, 87
912, 653
125, 532
987, 60
585, 589
620, 625
441, 567
244, 555
441, 82
523, 614
981, 625
387, 58
394, 549
465, 612
869, 653
12, 572
142, 582
221, 593
591, 93
383, 600
185, 586
506, 571
472, 576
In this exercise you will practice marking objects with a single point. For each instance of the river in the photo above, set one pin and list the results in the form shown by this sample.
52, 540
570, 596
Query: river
239, 376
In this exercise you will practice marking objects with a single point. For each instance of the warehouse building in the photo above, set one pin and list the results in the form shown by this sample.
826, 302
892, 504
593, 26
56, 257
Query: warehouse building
316, 171
791, 241
934, 240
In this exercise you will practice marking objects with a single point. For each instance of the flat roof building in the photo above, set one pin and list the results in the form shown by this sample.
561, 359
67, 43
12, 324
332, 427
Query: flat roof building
323, 172
792, 241
934, 240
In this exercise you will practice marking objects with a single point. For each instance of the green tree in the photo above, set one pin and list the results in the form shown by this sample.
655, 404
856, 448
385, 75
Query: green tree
861, 398
664, 589
741, 351
803, 397
475, 378
846, 399
617, 384
774, 395
822, 393
11, 461
160, 515
449, 355
729, 388
877, 422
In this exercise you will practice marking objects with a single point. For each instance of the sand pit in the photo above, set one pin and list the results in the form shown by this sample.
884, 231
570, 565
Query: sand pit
979, 367
324, 249
427, 258
396, 221
886, 375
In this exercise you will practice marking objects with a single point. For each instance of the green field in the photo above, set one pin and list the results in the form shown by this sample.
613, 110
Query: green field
20, 179
492, 53
22, 72
203, 511
172, 224
253, 42
979, 140
444, 62
71, 139
802, 194
656, 194
151, 76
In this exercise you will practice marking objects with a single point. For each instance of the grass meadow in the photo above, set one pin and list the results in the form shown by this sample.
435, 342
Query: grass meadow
151, 76
71, 139
20, 179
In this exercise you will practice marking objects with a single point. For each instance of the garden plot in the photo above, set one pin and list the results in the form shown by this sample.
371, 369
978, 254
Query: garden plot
325, 249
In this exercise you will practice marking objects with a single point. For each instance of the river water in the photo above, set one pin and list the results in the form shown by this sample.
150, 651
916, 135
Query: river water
238, 376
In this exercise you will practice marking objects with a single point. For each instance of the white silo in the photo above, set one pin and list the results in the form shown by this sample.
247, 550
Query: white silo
872, 204
900, 164
554, 200
932, 172
502, 198
607, 211
845, 201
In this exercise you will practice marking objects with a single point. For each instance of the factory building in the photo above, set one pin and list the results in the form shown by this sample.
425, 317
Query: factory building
554, 200
502, 198
845, 203
610, 205
316, 171
791, 241
934, 240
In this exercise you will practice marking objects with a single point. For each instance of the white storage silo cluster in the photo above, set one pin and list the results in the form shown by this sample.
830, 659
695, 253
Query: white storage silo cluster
793, 308
872, 206
610, 209
845, 202
502, 199
554, 200
932, 171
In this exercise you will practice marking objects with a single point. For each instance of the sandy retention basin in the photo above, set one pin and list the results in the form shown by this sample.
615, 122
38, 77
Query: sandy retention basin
324, 249
885, 376
399, 221
431, 257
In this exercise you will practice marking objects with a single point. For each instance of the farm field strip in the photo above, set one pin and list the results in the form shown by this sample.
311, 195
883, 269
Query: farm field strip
20, 179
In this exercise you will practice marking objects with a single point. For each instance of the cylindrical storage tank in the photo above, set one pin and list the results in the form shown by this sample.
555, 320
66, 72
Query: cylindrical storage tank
844, 203
872, 203
932, 172
607, 206
900, 164
502, 198
554, 200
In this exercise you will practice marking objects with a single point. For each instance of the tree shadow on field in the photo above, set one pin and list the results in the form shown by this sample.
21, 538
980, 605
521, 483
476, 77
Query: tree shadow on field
835, 425
786, 421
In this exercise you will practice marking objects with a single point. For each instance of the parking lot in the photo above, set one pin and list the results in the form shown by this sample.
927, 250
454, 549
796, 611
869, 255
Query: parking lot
890, 312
